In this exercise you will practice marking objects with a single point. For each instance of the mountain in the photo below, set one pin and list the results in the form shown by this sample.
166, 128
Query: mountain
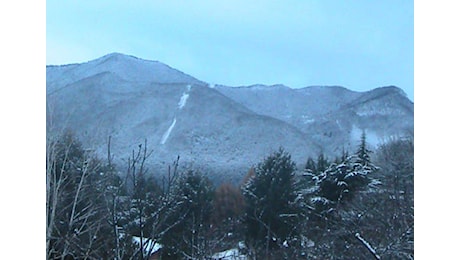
333, 116
175, 113
221, 130
125, 67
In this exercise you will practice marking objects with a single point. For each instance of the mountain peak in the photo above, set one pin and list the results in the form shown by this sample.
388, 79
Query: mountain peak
391, 89
117, 57
126, 67
113, 56
133, 99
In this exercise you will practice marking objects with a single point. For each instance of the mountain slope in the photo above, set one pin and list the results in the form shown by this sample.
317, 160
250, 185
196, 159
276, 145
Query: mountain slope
207, 129
127, 68
221, 130
333, 116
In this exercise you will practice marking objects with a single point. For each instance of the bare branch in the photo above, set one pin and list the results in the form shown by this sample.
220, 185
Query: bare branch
368, 246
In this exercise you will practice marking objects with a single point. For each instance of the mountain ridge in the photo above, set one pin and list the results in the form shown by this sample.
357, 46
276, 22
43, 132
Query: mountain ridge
217, 129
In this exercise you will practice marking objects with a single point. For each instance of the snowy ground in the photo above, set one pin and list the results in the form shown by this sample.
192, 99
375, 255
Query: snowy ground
230, 254
149, 245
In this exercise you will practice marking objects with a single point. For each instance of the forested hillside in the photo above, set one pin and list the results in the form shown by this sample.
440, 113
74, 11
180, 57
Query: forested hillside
359, 205
146, 162
227, 128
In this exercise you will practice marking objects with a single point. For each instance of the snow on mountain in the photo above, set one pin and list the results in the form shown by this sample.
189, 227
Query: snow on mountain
220, 130
333, 116
126, 68
168, 132
296, 106
184, 97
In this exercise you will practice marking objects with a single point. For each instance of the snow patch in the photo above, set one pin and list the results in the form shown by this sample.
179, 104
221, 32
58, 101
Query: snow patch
285, 244
183, 100
184, 97
149, 245
231, 254
338, 124
168, 132
307, 119
379, 109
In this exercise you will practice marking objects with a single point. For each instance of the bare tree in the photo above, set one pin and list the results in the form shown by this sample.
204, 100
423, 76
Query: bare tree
154, 203
74, 215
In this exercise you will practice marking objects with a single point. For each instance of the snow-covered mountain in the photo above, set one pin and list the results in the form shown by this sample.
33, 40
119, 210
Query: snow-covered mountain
221, 130
333, 116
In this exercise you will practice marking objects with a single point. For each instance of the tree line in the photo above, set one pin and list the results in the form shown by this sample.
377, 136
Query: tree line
358, 205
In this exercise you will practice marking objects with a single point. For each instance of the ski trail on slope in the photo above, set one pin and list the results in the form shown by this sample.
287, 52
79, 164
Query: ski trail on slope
168, 132
181, 104
184, 97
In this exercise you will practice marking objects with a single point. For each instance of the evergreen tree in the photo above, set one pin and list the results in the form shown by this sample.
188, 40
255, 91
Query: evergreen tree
189, 236
363, 153
375, 223
344, 177
342, 157
272, 209
310, 167
339, 181
322, 163
335, 219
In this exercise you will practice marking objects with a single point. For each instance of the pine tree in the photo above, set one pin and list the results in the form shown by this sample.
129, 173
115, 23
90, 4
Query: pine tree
322, 163
188, 236
342, 157
363, 153
272, 209
310, 167
343, 178
335, 220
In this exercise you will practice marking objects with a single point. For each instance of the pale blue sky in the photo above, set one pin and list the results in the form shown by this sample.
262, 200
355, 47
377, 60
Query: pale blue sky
356, 44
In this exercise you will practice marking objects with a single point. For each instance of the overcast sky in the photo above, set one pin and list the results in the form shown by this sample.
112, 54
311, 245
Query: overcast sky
360, 45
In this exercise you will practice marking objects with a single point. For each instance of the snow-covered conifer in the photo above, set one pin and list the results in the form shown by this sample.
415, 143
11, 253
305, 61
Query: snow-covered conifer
272, 211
